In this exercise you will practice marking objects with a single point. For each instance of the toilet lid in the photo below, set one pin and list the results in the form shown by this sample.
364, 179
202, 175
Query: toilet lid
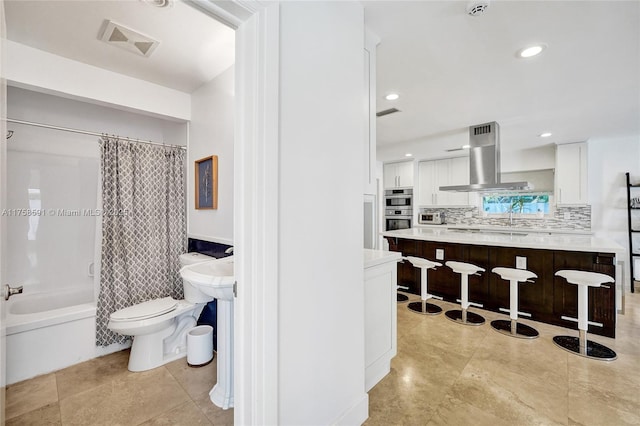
149, 309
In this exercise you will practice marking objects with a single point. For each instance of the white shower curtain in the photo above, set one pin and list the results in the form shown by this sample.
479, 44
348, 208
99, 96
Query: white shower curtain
143, 227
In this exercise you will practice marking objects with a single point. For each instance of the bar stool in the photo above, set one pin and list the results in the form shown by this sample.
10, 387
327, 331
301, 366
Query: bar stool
461, 315
513, 328
580, 345
423, 307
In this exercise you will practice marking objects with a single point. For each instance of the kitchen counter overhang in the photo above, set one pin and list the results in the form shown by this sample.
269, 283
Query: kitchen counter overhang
568, 242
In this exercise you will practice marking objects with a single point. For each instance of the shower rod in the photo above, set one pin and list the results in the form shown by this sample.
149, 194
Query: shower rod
84, 132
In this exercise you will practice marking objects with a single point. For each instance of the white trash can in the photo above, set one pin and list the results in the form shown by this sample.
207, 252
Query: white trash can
200, 345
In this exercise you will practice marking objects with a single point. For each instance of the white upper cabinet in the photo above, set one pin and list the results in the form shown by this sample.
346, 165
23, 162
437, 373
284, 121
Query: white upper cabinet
369, 148
571, 174
398, 175
436, 173
458, 175
427, 185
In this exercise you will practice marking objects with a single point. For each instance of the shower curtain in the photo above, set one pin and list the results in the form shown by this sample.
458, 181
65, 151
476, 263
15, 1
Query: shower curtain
143, 227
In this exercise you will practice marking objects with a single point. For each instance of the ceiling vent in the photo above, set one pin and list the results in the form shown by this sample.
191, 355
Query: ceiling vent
477, 8
387, 112
128, 39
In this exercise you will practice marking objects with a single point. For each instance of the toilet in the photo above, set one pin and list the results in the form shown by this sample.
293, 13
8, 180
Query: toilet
159, 327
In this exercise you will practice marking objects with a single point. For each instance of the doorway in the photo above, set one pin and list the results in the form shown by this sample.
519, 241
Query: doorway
246, 20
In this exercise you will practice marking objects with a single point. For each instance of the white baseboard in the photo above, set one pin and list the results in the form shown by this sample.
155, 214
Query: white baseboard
356, 414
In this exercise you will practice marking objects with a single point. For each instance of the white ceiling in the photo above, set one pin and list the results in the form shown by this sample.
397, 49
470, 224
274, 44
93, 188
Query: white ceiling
451, 70
193, 49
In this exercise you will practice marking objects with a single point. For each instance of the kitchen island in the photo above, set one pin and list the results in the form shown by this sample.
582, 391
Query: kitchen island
548, 299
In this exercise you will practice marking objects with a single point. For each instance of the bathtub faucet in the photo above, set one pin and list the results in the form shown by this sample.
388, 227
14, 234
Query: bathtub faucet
10, 291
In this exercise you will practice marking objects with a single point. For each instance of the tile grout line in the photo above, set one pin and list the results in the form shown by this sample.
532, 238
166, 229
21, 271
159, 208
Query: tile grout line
55, 375
190, 397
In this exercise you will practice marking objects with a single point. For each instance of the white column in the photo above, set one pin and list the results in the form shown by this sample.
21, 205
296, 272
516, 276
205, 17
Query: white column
321, 292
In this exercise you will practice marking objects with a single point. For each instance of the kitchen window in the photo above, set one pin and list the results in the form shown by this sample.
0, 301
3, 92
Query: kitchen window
533, 204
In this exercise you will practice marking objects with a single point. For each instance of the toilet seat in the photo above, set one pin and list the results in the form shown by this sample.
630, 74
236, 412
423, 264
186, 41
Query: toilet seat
153, 316
145, 310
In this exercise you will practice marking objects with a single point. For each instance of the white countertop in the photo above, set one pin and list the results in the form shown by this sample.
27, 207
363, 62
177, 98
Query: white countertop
582, 243
378, 257
506, 229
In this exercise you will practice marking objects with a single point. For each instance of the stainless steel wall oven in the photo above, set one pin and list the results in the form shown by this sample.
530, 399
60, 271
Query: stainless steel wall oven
398, 208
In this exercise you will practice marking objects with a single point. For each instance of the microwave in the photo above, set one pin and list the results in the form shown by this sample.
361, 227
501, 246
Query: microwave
435, 218
398, 198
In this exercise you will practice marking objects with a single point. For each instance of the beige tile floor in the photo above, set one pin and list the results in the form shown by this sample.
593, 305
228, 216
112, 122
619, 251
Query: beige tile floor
103, 392
450, 374
444, 374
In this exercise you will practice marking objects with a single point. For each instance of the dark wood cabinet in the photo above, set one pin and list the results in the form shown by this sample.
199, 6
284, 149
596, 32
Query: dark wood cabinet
408, 276
547, 299
602, 300
442, 280
479, 284
535, 298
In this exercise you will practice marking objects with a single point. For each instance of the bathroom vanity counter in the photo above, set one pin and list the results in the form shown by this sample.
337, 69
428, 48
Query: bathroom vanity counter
380, 310
548, 299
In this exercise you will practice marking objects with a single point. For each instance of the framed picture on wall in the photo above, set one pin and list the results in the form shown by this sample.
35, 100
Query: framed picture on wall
207, 183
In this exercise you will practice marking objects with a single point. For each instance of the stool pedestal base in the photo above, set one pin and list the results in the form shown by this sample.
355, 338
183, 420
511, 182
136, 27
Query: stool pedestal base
424, 308
588, 349
514, 329
465, 317
401, 297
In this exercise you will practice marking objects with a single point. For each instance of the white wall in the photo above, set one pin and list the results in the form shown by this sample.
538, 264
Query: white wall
59, 111
608, 161
211, 133
76, 80
321, 295
64, 166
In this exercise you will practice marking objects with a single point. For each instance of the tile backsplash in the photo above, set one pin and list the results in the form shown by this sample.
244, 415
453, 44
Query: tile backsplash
579, 218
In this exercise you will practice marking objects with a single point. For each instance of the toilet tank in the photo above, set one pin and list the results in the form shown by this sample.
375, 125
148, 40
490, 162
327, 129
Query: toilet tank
191, 293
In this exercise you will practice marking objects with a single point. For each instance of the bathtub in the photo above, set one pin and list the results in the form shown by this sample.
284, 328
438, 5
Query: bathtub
50, 331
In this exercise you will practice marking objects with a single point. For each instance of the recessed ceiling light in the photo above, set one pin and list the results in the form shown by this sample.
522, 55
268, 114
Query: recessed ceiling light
545, 135
408, 154
530, 51
466, 146
392, 96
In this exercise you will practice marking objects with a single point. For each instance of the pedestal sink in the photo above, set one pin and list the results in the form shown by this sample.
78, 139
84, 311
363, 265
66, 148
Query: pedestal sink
216, 278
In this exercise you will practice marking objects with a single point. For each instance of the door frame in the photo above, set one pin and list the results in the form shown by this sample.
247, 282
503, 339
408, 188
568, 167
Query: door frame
256, 204
3, 222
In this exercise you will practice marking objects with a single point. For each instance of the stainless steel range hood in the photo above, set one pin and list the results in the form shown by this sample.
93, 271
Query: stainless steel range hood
484, 163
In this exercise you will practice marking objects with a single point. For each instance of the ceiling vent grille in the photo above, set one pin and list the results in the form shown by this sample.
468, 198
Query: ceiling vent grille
387, 112
125, 38
482, 130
